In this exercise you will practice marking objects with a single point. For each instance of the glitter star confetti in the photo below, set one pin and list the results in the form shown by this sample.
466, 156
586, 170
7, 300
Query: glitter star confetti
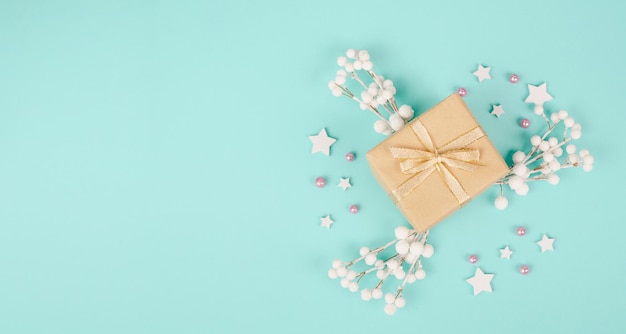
546, 244
321, 142
505, 253
344, 183
480, 281
482, 73
538, 94
326, 221
497, 110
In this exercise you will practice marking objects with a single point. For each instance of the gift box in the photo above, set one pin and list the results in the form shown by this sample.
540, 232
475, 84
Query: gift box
436, 163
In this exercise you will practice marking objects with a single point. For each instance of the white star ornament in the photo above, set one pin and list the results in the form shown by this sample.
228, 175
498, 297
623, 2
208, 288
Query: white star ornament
326, 221
321, 142
344, 183
538, 94
505, 253
546, 244
480, 281
497, 110
482, 73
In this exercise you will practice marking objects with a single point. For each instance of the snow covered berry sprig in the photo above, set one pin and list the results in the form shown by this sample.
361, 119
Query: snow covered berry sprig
546, 156
405, 265
378, 96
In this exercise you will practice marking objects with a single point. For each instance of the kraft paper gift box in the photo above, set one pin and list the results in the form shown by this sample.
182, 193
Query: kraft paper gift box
436, 163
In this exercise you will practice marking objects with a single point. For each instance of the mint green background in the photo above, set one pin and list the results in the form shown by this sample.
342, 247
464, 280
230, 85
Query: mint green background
156, 176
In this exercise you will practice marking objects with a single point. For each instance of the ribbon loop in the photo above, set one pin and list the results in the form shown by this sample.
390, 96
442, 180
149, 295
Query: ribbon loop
422, 163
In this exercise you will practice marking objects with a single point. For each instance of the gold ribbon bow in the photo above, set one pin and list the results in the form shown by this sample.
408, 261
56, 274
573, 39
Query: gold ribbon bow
422, 163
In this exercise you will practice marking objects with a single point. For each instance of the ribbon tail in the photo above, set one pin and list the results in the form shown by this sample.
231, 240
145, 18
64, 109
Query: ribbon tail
407, 187
453, 185
414, 167
468, 166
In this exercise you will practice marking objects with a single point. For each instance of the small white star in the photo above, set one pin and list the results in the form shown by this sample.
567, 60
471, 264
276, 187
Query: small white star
482, 73
538, 94
326, 221
344, 183
505, 253
497, 110
546, 244
480, 281
321, 142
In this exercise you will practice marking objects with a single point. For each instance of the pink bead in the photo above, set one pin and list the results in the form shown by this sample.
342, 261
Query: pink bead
521, 231
473, 259
524, 269
354, 209
524, 123
320, 182
514, 78
462, 92
349, 157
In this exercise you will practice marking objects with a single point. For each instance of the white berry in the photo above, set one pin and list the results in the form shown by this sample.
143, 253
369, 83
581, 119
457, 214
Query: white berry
406, 111
364, 55
380, 274
522, 190
571, 149
396, 122
428, 251
416, 248
368, 65
554, 117
392, 264
401, 232
535, 140
390, 309
381, 126
402, 247
553, 179
518, 157
332, 273
364, 251
501, 202
420, 274
520, 169
515, 182
351, 275
366, 294
399, 273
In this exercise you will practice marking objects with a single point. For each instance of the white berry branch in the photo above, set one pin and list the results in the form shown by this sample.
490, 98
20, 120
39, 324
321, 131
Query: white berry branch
376, 96
546, 156
410, 247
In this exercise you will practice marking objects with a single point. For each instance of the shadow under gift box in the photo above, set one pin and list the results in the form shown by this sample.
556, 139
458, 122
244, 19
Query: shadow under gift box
436, 163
